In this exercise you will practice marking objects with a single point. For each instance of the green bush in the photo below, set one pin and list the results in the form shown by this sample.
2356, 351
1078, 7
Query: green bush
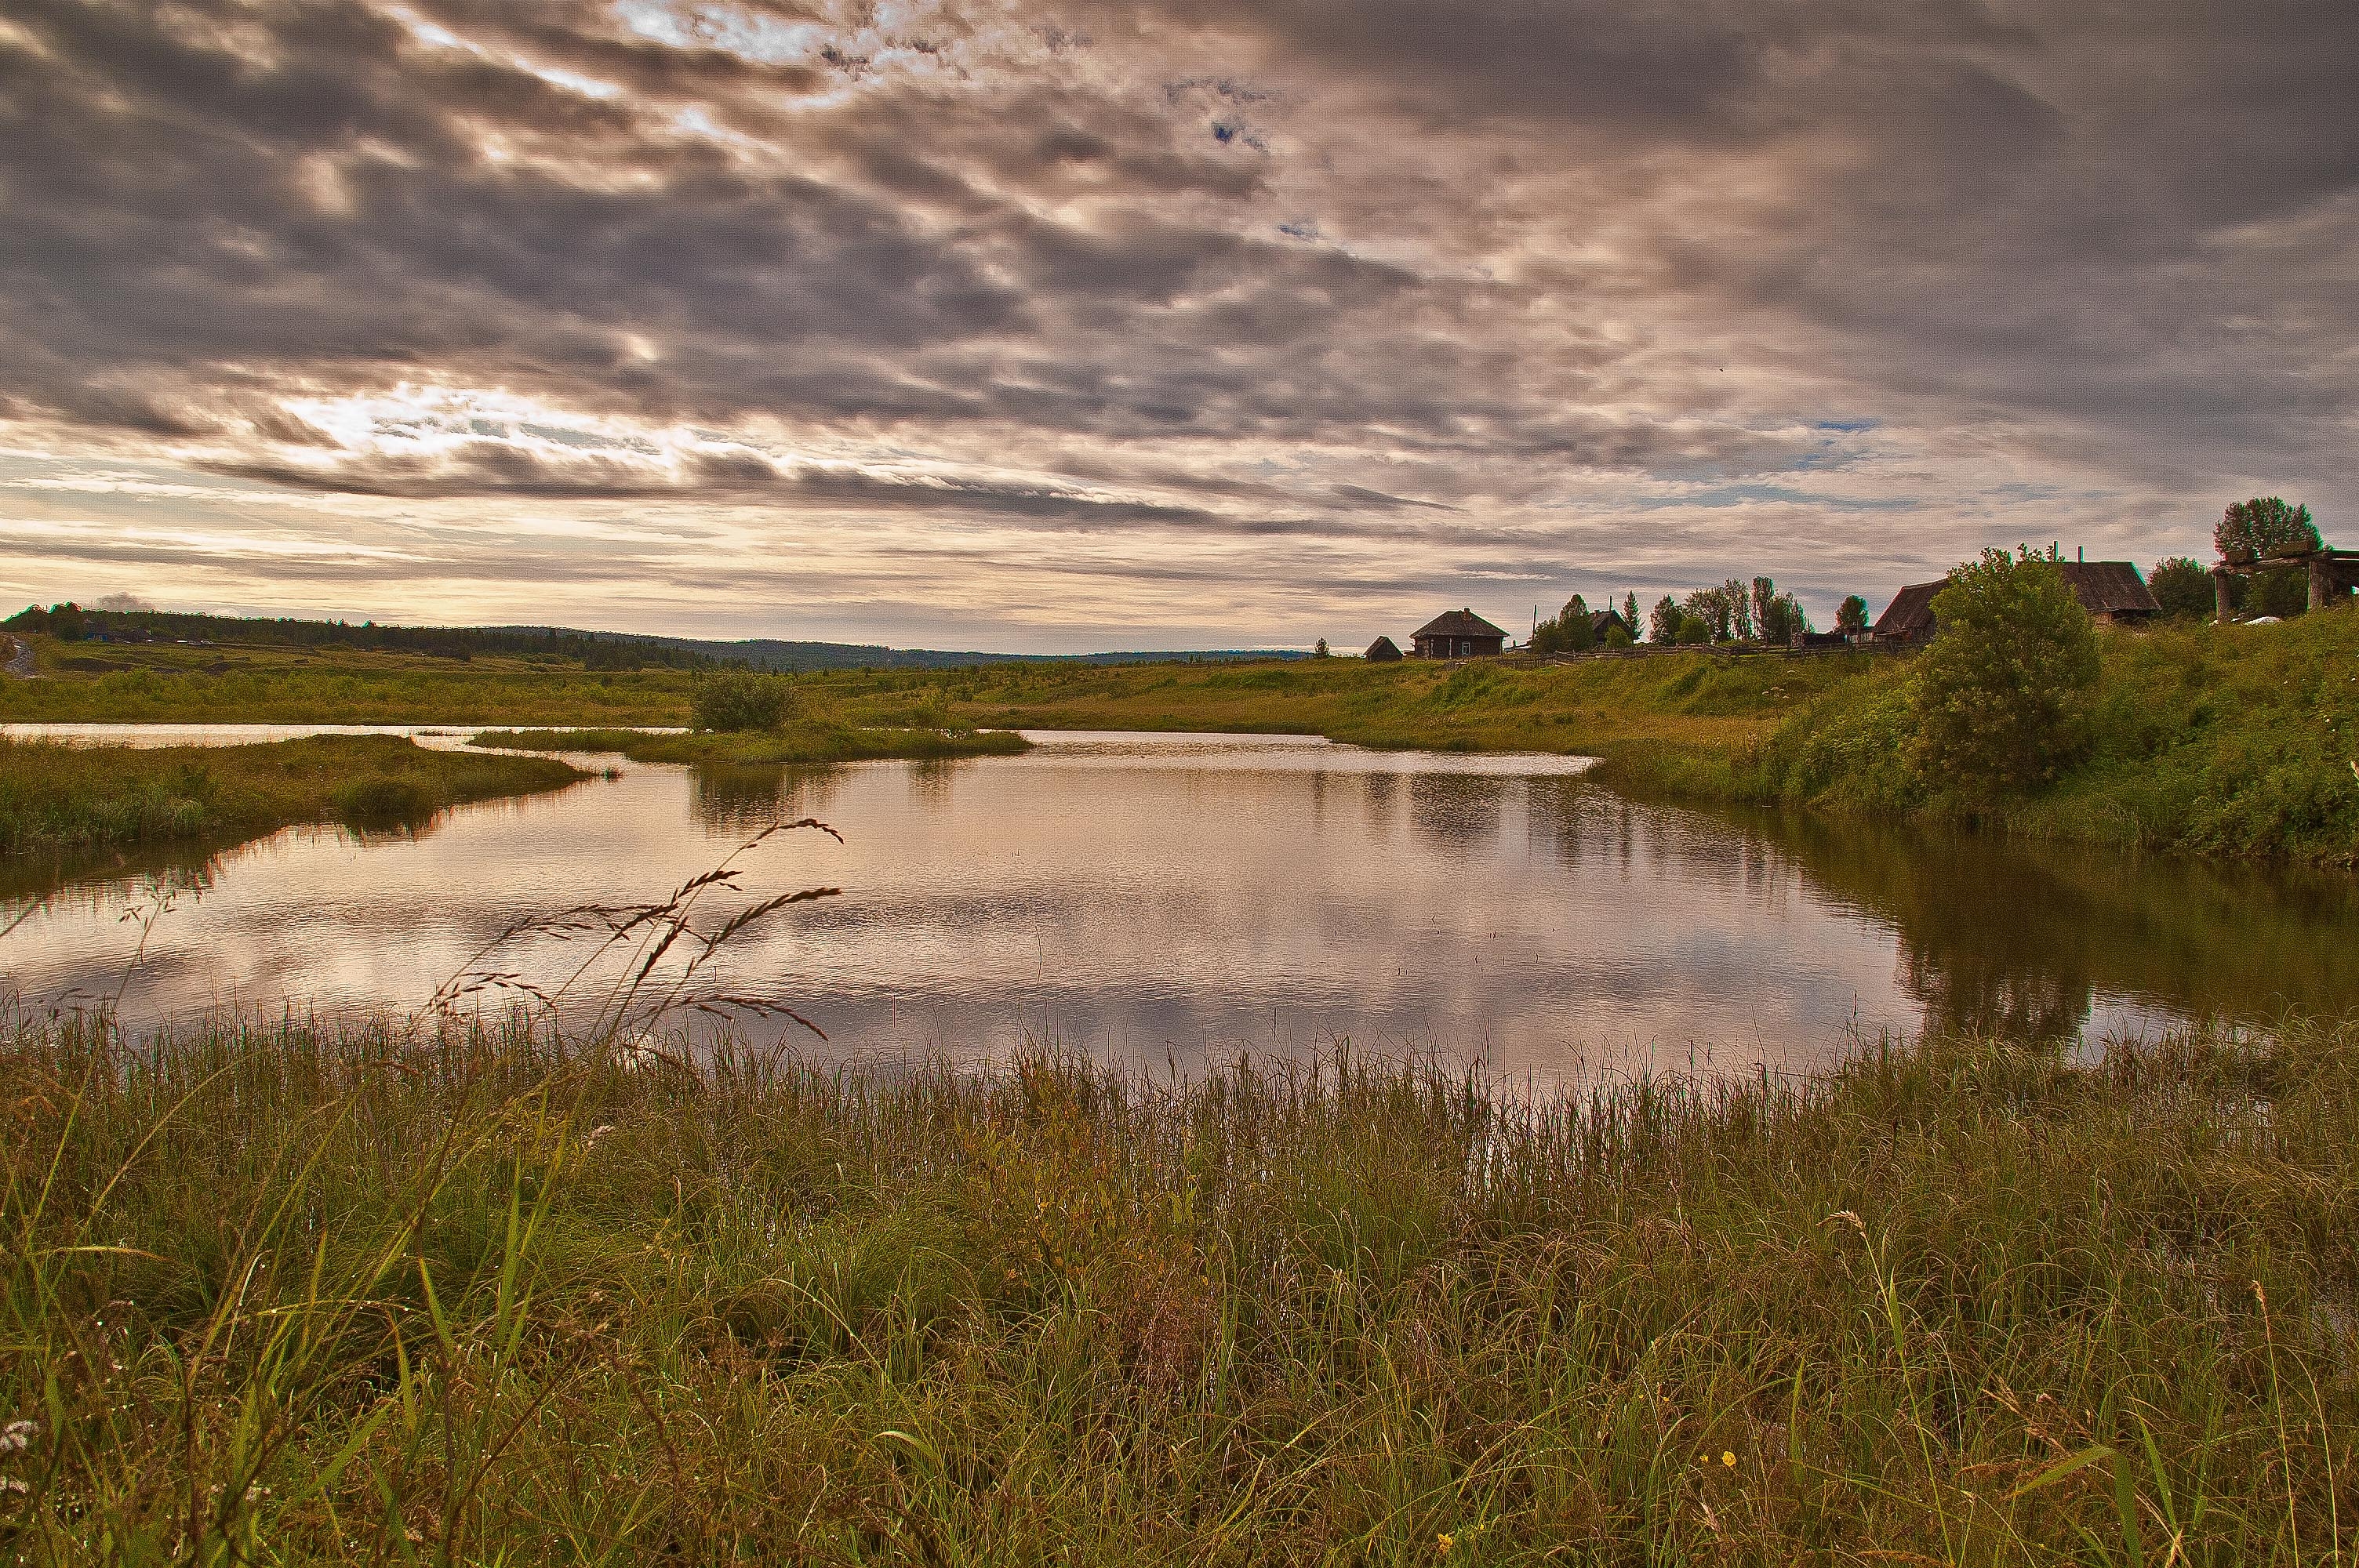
1999, 700
2182, 586
741, 700
2281, 591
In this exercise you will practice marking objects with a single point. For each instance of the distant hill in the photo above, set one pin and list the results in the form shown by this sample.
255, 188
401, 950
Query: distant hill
593, 650
770, 654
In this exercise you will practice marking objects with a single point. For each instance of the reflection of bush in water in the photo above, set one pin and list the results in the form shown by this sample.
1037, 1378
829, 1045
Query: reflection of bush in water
1456, 810
742, 796
2002, 935
2007, 936
384, 800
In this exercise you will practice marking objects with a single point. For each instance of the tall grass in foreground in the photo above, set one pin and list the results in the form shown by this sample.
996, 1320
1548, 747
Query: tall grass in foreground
289, 1293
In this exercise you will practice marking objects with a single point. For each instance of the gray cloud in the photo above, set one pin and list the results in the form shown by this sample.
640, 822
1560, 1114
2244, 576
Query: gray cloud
1622, 286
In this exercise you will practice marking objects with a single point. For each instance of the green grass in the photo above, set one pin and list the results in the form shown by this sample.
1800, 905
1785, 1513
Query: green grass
796, 743
65, 800
278, 1294
2236, 740
1599, 707
135, 683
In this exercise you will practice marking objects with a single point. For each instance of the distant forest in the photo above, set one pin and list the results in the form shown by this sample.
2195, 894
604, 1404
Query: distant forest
591, 650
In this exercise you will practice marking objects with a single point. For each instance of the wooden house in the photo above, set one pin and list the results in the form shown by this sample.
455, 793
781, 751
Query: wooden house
2111, 591
1383, 651
1457, 634
1910, 617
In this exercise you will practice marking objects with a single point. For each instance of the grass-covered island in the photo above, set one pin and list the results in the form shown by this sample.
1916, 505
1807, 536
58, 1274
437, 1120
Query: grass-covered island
743, 716
278, 1293
795, 743
62, 799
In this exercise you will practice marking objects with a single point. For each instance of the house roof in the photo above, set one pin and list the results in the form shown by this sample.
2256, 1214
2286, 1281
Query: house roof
1384, 648
1457, 624
2102, 587
1599, 618
1911, 610
2109, 587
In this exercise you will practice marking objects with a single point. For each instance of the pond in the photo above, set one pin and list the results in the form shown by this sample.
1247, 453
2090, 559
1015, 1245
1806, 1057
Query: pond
1154, 898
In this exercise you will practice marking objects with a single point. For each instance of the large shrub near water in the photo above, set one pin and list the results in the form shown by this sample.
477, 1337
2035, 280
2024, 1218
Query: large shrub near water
1999, 701
738, 700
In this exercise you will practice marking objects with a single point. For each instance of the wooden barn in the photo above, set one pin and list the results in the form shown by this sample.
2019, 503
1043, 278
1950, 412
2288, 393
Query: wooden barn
1457, 634
1383, 651
2111, 591
1910, 617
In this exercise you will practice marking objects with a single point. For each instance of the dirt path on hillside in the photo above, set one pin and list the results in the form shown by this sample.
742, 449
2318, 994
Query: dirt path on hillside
20, 658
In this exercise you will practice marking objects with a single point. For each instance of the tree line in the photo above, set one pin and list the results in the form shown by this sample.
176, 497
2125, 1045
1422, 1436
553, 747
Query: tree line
1740, 610
2252, 534
70, 622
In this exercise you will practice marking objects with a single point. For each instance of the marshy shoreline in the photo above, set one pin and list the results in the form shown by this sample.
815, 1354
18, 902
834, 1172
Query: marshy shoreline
65, 801
460, 1293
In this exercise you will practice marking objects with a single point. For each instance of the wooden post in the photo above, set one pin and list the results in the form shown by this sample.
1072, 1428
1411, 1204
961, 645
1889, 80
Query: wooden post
2322, 580
2220, 595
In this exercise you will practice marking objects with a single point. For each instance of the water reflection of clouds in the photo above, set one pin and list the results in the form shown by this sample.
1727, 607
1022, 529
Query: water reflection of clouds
1190, 895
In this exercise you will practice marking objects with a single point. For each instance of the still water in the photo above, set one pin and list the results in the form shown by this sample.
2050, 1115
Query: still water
1145, 896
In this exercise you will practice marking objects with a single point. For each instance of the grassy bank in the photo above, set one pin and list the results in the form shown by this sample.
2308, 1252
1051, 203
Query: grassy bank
67, 800
277, 1295
820, 742
1696, 700
2236, 741
1690, 700
148, 683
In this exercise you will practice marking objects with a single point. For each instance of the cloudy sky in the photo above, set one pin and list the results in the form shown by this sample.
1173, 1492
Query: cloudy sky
1094, 323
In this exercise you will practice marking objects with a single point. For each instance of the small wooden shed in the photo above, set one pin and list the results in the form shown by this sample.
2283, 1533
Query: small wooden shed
1383, 651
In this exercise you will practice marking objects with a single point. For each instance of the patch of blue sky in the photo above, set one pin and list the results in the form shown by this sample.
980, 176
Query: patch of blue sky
566, 437
1847, 427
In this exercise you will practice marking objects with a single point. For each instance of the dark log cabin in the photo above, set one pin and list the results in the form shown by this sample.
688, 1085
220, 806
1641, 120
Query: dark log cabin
2111, 591
1457, 634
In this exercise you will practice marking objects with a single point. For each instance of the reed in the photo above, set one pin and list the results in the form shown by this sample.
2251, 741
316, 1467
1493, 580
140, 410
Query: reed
466, 1292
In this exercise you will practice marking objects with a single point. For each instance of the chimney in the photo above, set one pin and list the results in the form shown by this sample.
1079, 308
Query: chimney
2083, 553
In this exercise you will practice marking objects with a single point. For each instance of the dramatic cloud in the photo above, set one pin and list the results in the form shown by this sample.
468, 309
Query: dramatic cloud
1077, 324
